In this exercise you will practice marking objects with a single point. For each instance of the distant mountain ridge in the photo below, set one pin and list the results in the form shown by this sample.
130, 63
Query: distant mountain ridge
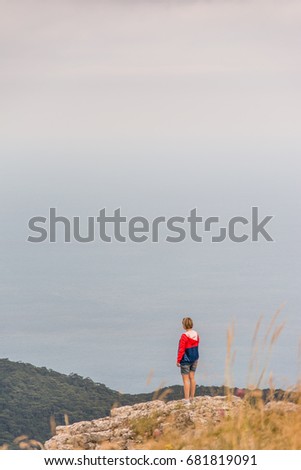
30, 396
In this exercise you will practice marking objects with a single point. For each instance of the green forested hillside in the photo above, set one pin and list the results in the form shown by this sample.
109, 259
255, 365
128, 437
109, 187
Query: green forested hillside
30, 395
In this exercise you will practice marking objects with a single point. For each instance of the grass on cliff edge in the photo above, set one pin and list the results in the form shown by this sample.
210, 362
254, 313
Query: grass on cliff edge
252, 428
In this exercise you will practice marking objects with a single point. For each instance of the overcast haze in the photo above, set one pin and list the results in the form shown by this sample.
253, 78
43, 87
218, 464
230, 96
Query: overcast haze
156, 107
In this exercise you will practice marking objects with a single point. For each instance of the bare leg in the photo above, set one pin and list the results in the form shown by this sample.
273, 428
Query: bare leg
192, 384
186, 383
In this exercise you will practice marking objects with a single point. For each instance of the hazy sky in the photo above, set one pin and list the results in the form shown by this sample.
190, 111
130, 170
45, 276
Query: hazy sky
156, 107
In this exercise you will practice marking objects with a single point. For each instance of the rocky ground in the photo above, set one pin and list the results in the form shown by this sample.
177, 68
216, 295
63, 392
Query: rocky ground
127, 426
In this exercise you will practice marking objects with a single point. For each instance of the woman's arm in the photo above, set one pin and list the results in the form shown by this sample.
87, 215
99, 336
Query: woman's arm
182, 347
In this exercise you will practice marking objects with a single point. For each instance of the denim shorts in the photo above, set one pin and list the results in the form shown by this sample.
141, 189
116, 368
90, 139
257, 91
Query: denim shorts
186, 368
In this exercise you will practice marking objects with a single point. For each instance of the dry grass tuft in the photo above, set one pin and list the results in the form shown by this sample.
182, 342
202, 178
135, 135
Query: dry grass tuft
256, 426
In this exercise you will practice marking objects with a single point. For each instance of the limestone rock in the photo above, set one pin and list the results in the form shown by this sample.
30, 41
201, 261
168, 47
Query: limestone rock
128, 425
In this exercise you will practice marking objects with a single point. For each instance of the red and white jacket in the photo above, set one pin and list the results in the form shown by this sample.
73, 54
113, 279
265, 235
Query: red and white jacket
188, 350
